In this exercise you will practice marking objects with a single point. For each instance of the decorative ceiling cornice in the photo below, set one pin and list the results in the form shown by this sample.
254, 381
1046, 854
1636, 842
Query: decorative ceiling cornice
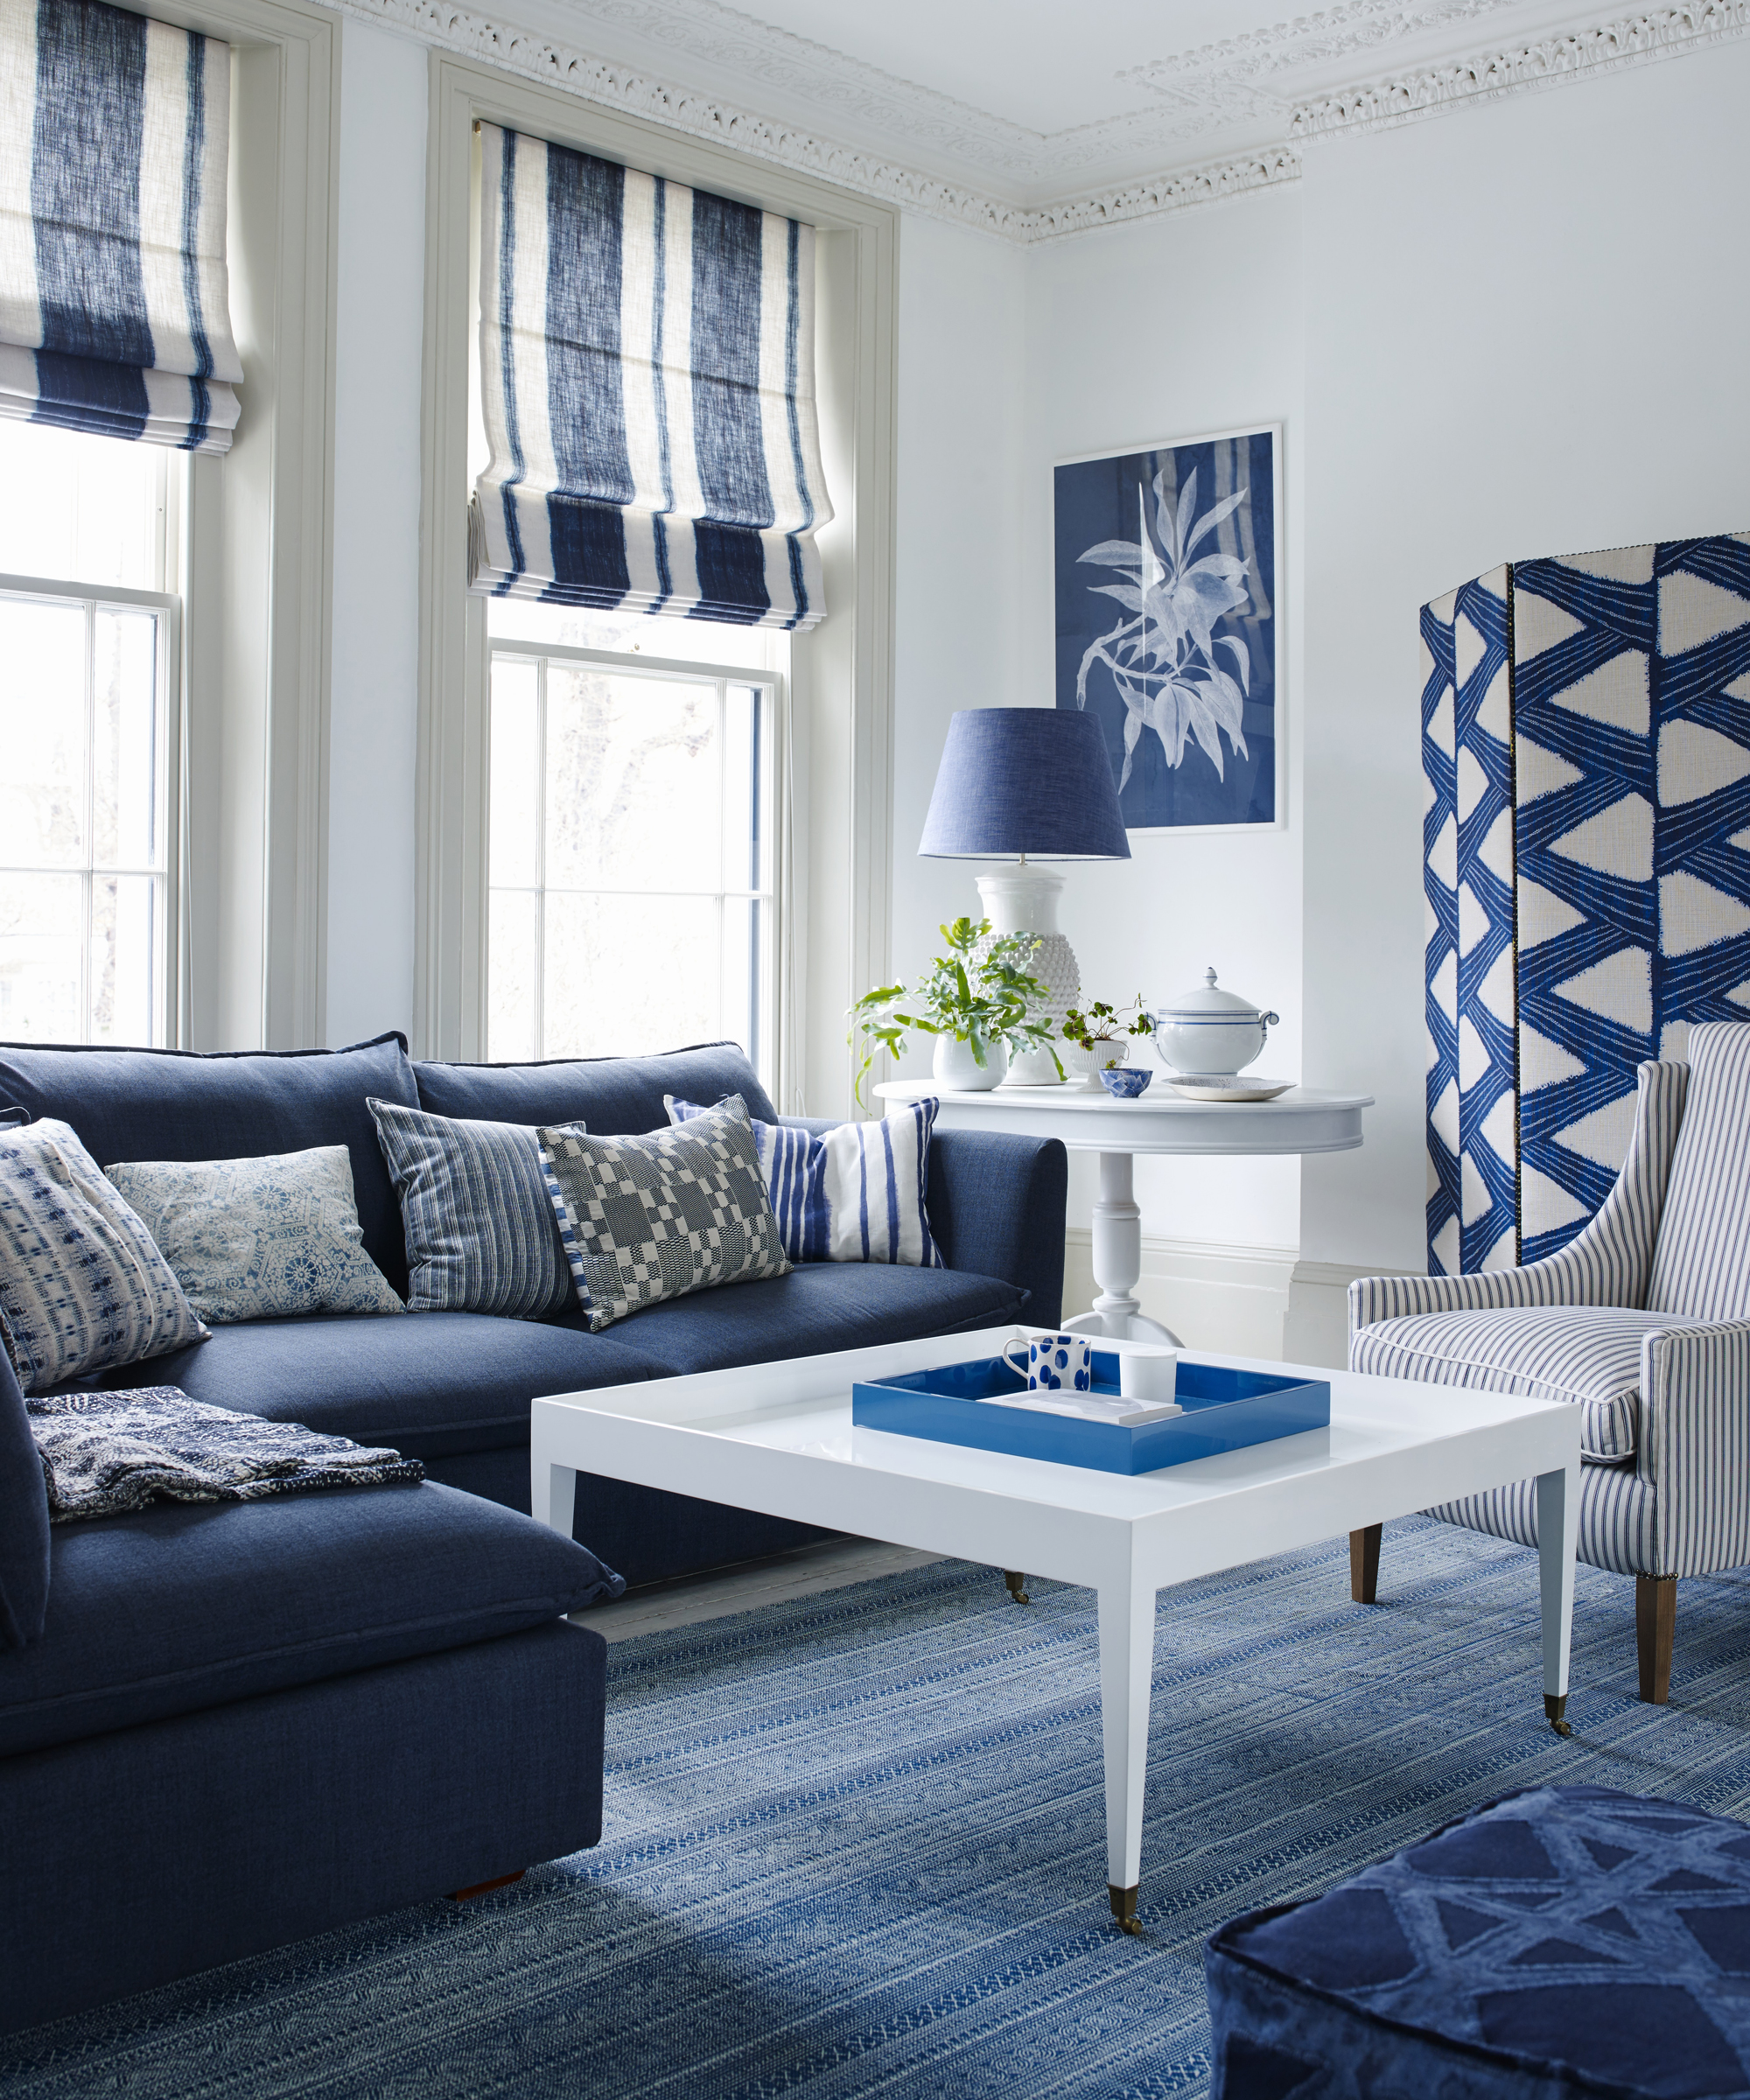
1233, 68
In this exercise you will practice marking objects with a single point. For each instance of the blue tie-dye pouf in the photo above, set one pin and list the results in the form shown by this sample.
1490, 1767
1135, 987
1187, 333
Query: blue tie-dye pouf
1565, 1940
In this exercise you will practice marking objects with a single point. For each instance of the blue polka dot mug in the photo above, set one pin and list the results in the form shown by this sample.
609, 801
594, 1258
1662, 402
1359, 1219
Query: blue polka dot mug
1055, 1363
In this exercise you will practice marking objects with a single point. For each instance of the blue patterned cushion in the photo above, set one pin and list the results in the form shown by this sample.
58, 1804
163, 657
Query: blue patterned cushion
644, 1219
856, 1193
480, 1232
258, 1239
1564, 1940
82, 1286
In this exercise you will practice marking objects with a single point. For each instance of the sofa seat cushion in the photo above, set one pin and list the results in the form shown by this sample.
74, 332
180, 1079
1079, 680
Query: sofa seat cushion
1588, 1355
429, 1385
186, 1104
175, 1608
817, 1307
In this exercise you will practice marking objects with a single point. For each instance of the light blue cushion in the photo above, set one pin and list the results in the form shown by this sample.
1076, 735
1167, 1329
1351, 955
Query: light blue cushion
481, 1236
82, 1286
258, 1239
856, 1192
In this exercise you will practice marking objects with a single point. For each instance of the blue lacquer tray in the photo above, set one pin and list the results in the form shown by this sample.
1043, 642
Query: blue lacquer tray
1224, 1410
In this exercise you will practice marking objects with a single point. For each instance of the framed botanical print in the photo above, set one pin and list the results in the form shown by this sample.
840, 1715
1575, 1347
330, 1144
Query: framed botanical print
1168, 578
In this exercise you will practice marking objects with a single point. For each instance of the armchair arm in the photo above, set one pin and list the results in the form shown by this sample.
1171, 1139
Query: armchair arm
996, 1205
1694, 1448
1373, 1298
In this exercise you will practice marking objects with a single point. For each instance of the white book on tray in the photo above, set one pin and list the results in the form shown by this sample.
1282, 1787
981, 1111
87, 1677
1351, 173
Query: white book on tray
1090, 1407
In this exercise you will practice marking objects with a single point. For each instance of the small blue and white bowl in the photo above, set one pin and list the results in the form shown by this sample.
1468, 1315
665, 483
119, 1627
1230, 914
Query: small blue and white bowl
1126, 1082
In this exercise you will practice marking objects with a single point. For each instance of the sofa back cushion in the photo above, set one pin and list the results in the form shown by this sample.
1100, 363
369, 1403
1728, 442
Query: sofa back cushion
1701, 1262
614, 1096
181, 1104
23, 1520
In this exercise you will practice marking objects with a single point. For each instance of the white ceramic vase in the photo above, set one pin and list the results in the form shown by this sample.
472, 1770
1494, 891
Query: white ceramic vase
957, 1071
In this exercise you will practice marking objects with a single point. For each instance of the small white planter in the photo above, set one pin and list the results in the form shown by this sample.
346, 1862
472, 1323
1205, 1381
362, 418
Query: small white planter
957, 1071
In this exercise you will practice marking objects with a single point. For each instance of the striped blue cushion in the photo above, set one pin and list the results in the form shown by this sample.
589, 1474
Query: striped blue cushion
1588, 1355
481, 1236
859, 1193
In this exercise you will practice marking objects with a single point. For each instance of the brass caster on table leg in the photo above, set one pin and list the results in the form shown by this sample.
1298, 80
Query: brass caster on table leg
1555, 1706
1017, 1585
1124, 1902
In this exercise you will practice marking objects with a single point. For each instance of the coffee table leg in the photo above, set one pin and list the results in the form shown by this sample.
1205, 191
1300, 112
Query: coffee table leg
1126, 1675
1558, 1519
552, 1494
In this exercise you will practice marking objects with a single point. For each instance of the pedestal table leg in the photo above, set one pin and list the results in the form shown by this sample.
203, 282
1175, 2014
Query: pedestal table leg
1126, 1676
1118, 1261
1558, 1517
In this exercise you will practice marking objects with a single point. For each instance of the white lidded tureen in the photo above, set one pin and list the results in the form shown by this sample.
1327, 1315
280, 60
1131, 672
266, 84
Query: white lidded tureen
1208, 1029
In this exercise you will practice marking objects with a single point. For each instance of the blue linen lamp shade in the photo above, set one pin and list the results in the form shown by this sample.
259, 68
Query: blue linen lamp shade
1036, 782
1031, 780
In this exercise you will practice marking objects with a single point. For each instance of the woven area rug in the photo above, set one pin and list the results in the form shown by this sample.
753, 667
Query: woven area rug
854, 1843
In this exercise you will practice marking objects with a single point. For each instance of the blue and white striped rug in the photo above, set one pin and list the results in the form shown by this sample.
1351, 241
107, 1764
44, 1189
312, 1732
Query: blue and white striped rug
854, 1843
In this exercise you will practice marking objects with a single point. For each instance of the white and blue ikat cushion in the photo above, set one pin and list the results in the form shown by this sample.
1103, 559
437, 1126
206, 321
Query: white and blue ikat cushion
644, 1219
859, 1192
259, 1239
480, 1231
82, 1286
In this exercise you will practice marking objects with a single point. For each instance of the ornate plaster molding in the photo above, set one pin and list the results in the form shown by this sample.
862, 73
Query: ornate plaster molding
1234, 67
1660, 33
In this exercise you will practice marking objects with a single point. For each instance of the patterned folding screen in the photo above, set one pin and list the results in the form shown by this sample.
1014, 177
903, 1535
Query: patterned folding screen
1585, 741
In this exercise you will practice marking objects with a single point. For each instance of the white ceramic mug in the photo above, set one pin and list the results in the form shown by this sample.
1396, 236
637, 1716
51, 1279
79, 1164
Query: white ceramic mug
1055, 1363
1148, 1372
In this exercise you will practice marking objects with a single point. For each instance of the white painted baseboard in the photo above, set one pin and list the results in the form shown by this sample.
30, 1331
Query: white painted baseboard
1229, 1300
1317, 1328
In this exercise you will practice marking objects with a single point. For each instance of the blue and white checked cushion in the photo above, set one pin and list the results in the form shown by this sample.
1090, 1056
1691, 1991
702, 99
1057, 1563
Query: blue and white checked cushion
859, 1193
1587, 1354
82, 1286
481, 1236
260, 1239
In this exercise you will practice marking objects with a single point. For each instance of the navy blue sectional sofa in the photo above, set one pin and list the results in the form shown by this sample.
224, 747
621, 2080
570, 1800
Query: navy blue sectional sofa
227, 1726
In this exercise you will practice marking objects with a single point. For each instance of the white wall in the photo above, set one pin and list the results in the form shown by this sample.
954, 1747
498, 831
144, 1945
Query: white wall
373, 737
1169, 329
1524, 332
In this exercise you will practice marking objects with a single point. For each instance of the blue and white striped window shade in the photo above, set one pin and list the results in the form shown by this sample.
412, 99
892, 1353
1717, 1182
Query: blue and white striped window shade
114, 309
647, 358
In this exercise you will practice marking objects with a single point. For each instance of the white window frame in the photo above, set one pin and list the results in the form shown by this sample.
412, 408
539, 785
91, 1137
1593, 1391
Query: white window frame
765, 1051
93, 599
839, 708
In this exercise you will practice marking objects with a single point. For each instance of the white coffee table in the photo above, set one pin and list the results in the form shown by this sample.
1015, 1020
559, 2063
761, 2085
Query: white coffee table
779, 1437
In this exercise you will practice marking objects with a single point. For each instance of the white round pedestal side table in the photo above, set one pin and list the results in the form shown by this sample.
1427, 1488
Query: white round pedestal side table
1299, 1121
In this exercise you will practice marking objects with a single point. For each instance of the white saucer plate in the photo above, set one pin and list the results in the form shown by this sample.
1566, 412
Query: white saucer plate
1226, 1085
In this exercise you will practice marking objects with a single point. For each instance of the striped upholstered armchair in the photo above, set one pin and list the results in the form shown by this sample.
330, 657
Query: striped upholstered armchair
1642, 1321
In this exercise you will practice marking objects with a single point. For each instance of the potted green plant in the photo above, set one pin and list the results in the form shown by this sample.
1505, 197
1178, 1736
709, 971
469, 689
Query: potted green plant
1097, 1032
980, 1004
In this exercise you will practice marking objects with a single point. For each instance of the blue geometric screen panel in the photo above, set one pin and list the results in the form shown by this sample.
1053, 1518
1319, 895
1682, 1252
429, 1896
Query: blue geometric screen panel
1626, 764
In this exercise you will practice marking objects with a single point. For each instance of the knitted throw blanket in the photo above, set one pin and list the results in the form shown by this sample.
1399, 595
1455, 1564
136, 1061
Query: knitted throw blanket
103, 1454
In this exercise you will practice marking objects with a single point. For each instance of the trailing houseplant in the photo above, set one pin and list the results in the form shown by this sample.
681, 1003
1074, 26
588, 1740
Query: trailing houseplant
985, 998
1102, 1026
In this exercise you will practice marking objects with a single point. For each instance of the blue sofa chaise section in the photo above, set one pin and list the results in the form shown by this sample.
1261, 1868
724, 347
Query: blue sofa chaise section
453, 1388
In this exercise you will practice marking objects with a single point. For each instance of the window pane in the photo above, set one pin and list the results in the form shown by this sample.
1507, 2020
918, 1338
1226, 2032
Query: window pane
94, 516
42, 935
634, 793
744, 974
123, 959
512, 969
747, 824
629, 975
42, 733
513, 838
638, 633
124, 798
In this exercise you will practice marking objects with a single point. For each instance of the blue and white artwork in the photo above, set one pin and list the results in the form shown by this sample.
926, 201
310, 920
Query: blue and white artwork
1167, 564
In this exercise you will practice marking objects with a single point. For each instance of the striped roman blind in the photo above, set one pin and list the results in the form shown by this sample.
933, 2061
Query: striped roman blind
114, 308
647, 360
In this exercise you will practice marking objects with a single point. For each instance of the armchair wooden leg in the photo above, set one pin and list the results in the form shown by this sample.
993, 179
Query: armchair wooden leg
1364, 1564
1656, 1622
484, 1888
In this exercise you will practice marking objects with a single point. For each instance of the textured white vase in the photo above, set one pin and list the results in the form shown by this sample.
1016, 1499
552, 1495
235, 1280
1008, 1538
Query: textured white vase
957, 1071
1024, 900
